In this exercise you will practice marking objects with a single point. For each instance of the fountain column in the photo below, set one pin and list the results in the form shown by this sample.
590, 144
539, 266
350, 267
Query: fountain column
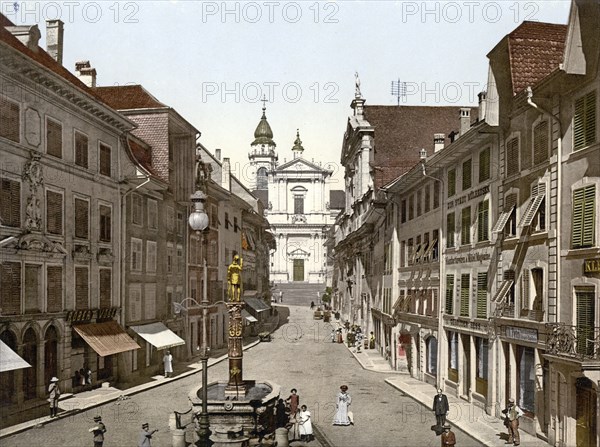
235, 353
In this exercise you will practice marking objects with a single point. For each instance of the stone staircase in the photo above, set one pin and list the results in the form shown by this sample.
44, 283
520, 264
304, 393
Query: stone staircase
299, 293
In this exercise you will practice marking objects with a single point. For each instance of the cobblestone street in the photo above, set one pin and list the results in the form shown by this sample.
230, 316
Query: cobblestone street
300, 356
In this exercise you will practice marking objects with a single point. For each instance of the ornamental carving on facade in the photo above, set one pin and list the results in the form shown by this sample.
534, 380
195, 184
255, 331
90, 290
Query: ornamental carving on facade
33, 173
33, 214
561, 339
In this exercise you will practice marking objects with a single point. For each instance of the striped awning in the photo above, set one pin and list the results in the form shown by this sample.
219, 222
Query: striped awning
106, 338
10, 360
158, 335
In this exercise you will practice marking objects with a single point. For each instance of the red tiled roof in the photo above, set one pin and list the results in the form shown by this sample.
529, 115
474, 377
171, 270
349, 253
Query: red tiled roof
401, 131
39, 56
127, 97
535, 50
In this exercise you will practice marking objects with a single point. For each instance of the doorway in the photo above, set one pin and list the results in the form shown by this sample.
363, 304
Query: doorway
586, 413
50, 354
298, 269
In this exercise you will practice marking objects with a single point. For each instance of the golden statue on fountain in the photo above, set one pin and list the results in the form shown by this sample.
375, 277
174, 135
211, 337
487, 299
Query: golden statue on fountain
234, 279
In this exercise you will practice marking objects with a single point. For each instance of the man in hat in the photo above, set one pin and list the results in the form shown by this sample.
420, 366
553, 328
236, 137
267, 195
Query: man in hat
53, 395
513, 413
98, 431
440, 408
145, 436
448, 437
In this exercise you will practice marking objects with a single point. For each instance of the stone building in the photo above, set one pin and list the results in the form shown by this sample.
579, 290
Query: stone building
300, 207
61, 200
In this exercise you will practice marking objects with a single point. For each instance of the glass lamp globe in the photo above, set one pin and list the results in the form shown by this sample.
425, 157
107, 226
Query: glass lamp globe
198, 220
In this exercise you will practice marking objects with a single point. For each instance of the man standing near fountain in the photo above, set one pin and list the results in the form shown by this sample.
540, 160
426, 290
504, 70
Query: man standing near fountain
234, 279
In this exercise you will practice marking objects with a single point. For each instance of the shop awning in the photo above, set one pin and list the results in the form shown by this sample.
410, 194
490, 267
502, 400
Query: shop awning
10, 360
248, 317
106, 338
257, 304
158, 335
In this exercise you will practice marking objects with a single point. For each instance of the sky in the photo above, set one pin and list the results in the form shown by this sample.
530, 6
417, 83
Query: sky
214, 61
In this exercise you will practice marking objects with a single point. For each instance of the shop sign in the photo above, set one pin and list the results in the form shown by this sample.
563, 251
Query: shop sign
468, 257
521, 333
472, 195
591, 265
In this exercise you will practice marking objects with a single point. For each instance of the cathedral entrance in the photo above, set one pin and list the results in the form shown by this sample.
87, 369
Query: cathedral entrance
298, 269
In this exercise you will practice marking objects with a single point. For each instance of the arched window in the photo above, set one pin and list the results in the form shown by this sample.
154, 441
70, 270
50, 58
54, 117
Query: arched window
50, 354
431, 344
7, 378
262, 181
30, 356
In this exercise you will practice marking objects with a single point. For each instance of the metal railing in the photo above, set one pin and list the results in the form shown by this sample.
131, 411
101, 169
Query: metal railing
580, 342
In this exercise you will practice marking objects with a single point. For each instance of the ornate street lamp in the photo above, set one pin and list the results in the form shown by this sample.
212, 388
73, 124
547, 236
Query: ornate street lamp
198, 221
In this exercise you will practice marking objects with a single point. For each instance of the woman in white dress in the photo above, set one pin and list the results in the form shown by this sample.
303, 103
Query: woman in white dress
168, 362
342, 415
306, 431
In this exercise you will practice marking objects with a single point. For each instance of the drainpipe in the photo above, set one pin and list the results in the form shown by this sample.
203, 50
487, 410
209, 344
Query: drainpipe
559, 189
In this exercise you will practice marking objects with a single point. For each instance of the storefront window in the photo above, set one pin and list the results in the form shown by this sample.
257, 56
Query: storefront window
431, 355
453, 356
481, 349
527, 379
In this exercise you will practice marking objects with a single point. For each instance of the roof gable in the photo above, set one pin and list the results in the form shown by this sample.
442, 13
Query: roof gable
301, 164
127, 97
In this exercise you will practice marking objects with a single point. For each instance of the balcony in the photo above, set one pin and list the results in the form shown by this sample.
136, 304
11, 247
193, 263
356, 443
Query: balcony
581, 343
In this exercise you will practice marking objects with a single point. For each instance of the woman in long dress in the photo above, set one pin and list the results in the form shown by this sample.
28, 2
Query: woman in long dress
343, 402
306, 431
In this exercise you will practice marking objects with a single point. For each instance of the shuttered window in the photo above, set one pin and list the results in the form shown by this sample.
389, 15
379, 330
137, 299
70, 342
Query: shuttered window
33, 294
411, 207
482, 295
583, 222
10, 288
54, 138
54, 288
135, 304
10, 120
484, 165
105, 160
465, 288
81, 150
403, 211
585, 121
82, 214
465, 230
54, 212
512, 157
136, 214
105, 288
525, 289
436, 195
10, 203
450, 230
136, 254
427, 198
152, 214
586, 309
466, 174
540, 143
81, 288
449, 294
451, 182
105, 223
483, 224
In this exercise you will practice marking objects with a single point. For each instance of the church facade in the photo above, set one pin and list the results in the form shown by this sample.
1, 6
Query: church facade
300, 207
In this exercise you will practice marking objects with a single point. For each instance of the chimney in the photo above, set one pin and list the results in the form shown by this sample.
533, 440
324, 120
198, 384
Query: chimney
218, 154
482, 103
226, 174
465, 120
54, 39
28, 35
438, 141
86, 73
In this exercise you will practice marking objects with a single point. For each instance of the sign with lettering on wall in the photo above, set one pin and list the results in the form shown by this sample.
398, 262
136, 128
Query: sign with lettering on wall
591, 265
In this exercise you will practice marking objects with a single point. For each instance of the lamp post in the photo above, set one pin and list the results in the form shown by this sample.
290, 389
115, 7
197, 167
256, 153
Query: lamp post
198, 221
442, 268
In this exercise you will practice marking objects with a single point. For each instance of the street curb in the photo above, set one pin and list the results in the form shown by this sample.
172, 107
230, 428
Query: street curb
15, 429
370, 368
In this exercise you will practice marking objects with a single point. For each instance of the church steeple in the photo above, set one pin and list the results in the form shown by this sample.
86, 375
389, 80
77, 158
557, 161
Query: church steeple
262, 153
298, 149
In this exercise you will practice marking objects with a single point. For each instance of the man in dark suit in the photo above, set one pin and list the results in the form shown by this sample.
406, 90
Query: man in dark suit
440, 408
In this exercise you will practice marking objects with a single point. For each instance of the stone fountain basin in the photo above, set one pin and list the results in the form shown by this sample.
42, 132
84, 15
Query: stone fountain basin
256, 399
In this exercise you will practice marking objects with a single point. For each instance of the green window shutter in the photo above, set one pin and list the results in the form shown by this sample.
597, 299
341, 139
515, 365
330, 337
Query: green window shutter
482, 295
450, 230
451, 182
589, 206
585, 319
465, 288
540, 143
484, 165
449, 294
584, 125
512, 157
466, 174
483, 221
465, 236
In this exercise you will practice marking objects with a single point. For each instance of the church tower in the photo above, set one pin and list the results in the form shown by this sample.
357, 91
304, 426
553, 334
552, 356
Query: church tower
262, 155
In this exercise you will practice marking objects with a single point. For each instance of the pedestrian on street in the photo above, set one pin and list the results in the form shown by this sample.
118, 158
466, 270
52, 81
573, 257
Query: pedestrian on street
82, 375
168, 362
306, 431
333, 336
372, 341
281, 418
53, 395
448, 437
88, 376
98, 431
440, 408
513, 413
281, 296
146, 436
294, 401
312, 305
342, 415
